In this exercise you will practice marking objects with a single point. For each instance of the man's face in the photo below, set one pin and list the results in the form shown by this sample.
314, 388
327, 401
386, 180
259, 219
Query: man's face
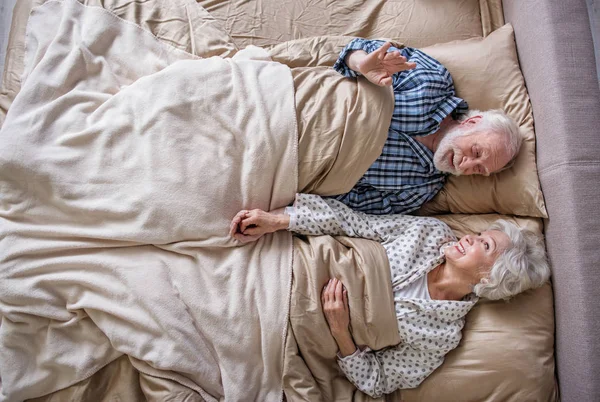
468, 150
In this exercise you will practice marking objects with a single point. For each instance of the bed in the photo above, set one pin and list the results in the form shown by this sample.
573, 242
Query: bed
508, 349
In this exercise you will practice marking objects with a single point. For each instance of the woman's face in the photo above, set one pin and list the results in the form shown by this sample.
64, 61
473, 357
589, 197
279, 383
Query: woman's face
477, 252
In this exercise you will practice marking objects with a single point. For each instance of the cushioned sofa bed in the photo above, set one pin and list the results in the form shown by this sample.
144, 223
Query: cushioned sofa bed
566, 108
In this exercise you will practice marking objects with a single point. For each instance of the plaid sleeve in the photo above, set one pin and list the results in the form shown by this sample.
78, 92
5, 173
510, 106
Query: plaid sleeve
368, 199
368, 45
423, 96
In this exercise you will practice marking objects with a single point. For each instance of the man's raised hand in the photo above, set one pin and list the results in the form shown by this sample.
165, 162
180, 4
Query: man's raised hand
380, 65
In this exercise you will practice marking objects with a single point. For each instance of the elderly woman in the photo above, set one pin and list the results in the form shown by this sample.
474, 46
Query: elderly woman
436, 280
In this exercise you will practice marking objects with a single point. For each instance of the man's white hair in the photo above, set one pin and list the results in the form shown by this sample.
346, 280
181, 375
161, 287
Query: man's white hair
520, 267
499, 122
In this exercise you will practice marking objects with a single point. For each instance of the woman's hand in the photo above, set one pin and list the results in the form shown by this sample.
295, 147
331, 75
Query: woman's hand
379, 66
337, 313
248, 226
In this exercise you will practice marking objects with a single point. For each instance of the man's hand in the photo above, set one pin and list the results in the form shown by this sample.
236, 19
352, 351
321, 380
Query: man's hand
380, 65
248, 226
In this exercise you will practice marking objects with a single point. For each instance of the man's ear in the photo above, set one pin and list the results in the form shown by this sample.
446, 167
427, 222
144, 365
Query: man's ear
472, 120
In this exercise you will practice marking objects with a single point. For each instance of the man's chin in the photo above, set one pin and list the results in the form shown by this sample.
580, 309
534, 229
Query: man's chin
444, 168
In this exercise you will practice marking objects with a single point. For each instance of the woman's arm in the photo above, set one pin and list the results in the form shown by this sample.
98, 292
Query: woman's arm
250, 225
382, 372
310, 215
375, 372
334, 300
314, 215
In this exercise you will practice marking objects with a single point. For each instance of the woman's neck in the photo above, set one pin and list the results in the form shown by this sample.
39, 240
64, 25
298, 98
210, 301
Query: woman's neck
444, 283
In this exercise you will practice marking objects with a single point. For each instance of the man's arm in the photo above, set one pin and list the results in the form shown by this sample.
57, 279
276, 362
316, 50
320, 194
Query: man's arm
380, 65
368, 199
376, 60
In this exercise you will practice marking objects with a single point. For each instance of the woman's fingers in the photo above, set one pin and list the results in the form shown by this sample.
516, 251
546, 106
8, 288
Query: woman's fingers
254, 231
338, 291
251, 218
326, 292
235, 222
345, 294
334, 292
244, 238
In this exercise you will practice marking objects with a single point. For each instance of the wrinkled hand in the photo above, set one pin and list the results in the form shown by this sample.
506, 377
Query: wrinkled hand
248, 226
379, 66
335, 307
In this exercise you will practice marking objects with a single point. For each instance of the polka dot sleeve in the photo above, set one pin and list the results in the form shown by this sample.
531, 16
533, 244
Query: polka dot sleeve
381, 372
313, 215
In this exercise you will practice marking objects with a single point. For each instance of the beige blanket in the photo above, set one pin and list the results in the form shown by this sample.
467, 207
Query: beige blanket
122, 161
311, 372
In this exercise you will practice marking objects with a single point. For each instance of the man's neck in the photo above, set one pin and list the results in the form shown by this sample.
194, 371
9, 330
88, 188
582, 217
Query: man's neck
432, 141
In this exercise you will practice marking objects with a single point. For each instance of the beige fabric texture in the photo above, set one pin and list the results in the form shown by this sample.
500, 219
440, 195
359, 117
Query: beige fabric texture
492, 15
267, 23
179, 23
115, 233
120, 381
486, 74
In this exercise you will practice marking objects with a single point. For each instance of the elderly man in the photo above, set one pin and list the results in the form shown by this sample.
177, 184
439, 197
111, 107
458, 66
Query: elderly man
432, 133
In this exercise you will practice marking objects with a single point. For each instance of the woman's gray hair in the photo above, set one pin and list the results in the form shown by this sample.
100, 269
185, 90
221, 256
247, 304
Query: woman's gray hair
499, 122
520, 267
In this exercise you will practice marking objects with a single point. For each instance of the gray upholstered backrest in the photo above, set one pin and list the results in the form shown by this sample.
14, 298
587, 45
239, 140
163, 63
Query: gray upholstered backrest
554, 44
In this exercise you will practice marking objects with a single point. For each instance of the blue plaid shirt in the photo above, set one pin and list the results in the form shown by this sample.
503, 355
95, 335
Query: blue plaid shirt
403, 177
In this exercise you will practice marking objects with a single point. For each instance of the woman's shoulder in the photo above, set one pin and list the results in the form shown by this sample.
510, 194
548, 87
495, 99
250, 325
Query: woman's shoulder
434, 224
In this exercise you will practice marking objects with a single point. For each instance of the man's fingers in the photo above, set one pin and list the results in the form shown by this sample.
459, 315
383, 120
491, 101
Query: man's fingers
385, 81
395, 57
383, 50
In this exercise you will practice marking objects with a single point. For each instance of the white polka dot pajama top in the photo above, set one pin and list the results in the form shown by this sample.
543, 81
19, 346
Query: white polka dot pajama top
429, 329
